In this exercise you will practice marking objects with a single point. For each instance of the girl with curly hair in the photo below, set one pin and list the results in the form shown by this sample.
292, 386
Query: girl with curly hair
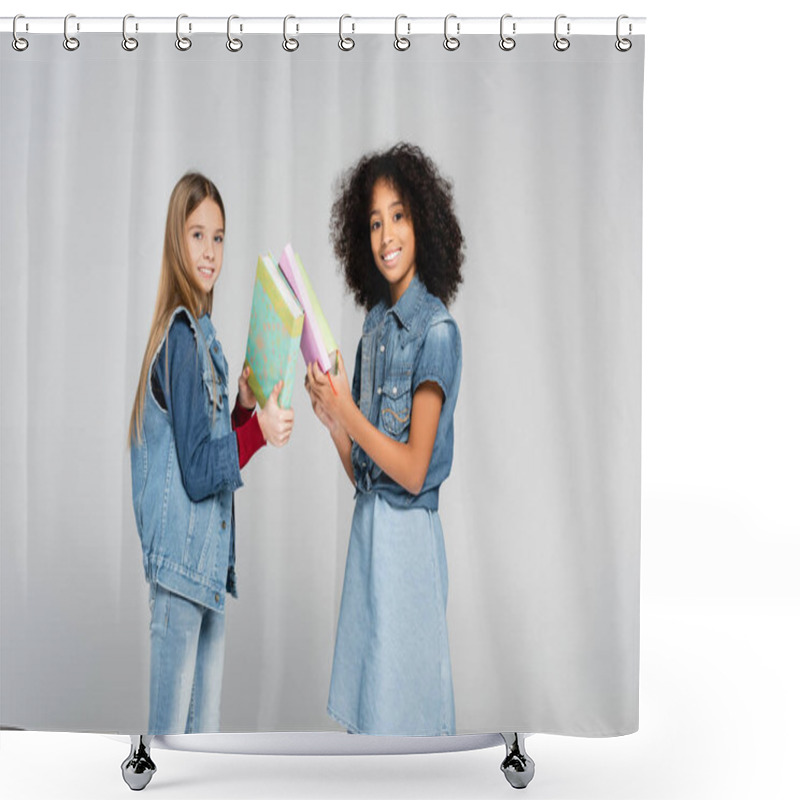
399, 243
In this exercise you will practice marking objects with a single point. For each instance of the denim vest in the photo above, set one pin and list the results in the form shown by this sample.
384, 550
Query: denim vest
414, 341
187, 546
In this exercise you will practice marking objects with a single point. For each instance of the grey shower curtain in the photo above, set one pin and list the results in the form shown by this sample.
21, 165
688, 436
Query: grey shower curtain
541, 513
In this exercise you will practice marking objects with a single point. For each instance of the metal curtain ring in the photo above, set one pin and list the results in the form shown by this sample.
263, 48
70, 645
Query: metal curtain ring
233, 44
623, 45
129, 43
181, 42
345, 42
18, 43
289, 44
507, 42
451, 42
400, 42
561, 43
70, 42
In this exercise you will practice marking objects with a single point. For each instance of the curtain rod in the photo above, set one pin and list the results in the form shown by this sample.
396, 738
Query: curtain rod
348, 25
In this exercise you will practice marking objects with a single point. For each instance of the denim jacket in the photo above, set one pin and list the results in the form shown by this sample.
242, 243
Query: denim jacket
186, 527
414, 341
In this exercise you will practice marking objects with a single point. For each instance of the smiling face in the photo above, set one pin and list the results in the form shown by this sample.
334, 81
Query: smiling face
392, 238
205, 232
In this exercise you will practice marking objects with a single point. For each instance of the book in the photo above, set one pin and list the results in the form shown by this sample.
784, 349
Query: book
317, 342
273, 341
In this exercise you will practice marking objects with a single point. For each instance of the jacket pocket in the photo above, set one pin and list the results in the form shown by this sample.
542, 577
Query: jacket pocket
396, 406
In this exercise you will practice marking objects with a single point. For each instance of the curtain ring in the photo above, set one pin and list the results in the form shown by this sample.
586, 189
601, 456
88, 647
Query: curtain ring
623, 45
18, 43
400, 42
345, 42
129, 43
181, 42
289, 44
70, 42
233, 44
561, 43
451, 42
507, 42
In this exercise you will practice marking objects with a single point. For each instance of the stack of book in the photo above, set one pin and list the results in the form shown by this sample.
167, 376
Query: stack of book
285, 318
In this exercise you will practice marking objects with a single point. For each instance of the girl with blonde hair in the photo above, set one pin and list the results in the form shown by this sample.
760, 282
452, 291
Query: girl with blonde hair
187, 453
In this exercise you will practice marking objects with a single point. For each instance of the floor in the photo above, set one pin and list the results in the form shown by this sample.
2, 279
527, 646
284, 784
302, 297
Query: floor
719, 703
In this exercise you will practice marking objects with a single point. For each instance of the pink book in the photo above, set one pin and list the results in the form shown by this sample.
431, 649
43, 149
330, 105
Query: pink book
312, 342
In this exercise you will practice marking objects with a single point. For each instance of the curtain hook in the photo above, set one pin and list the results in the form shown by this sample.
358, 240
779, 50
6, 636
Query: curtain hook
451, 42
182, 42
129, 43
507, 42
233, 44
400, 42
18, 43
289, 44
70, 42
345, 42
561, 43
623, 45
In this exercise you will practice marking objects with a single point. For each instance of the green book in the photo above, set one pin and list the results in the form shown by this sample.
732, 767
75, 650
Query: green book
273, 341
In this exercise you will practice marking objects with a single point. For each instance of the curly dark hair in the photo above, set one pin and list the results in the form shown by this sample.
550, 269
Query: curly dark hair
428, 198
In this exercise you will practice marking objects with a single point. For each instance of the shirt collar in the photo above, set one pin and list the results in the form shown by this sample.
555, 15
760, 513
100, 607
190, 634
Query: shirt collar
405, 309
207, 327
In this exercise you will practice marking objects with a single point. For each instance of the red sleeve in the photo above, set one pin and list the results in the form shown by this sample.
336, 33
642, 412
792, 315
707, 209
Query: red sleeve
249, 438
240, 414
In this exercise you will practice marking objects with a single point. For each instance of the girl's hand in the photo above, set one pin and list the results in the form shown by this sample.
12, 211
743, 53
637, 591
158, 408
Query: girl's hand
326, 420
330, 393
276, 423
247, 397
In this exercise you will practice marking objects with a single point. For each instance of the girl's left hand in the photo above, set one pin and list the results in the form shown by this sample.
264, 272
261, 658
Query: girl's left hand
330, 392
247, 397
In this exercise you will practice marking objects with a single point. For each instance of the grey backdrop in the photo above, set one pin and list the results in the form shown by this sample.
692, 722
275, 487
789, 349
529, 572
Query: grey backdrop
542, 508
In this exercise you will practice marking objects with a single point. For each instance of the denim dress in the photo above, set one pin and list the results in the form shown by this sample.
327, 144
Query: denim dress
391, 668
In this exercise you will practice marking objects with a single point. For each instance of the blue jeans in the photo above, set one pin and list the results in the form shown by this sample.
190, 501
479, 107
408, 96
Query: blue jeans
187, 647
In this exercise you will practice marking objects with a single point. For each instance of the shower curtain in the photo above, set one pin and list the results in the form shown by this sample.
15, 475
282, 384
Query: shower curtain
541, 511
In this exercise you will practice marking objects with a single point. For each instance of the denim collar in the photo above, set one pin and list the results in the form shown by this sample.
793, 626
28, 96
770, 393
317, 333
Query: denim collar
207, 327
406, 308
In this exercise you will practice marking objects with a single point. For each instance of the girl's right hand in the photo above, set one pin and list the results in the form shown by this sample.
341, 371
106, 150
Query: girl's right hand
276, 423
324, 418
247, 397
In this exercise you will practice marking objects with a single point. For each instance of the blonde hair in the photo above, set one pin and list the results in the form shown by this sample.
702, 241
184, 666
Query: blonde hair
177, 285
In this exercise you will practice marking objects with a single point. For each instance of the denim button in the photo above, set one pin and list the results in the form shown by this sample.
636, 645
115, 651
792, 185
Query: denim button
216, 597
224, 524
380, 390
216, 348
383, 348
394, 390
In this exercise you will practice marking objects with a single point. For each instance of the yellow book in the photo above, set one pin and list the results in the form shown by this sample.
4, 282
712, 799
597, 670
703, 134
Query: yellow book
276, 327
